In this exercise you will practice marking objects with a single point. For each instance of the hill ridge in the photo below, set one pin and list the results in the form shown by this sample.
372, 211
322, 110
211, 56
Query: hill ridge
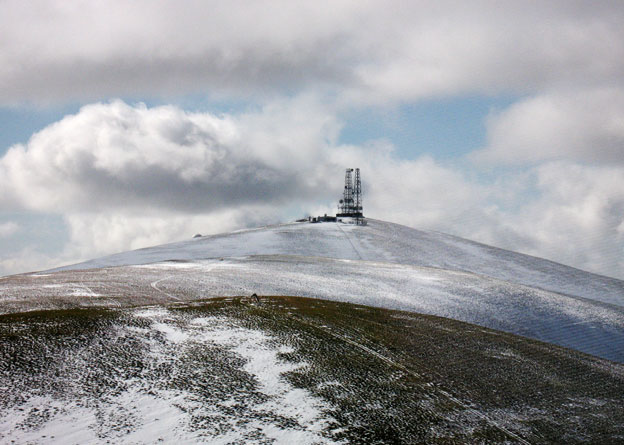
380, 241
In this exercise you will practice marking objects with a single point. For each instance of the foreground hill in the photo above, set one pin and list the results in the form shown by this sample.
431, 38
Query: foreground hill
380, 241
293, 370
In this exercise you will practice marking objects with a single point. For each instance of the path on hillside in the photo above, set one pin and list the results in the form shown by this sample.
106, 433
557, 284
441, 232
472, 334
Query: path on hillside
339, 225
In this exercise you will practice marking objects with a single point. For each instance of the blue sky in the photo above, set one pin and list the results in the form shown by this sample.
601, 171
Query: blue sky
19, 123
498, 122
446, 128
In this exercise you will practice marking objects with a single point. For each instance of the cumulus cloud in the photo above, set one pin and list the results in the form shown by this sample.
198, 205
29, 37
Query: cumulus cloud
585, 126
575, 217
116, 156
418, 193
362, 50
127, 159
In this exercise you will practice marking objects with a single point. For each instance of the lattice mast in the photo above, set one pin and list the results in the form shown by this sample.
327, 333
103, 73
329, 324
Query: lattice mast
346, 203
351, 203
357, 192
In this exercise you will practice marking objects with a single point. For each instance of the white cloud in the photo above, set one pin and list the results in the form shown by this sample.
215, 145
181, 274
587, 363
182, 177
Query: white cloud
576, 216
584, 125
417, 193
364, 50
137, 160
8, 228
115, 156
27, 259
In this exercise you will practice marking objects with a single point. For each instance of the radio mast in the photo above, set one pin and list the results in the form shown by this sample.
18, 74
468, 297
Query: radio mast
350, 206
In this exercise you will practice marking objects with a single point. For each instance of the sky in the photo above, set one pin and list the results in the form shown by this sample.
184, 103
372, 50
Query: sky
125, 124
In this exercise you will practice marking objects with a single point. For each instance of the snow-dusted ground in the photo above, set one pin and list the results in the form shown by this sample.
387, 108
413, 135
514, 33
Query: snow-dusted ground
152, 408
382, 242
583, 324
292, 370
381, 264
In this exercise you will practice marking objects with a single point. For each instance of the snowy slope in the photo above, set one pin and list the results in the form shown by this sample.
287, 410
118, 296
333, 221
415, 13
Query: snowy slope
579, 323
382, 264
381, 242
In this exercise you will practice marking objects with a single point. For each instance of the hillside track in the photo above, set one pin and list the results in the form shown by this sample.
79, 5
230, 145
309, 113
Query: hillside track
154, 285
360, 257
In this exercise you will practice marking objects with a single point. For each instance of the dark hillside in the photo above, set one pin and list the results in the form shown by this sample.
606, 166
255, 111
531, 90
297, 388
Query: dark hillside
371, 376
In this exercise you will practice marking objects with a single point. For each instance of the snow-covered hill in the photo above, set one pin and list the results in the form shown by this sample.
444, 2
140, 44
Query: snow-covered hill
380, 241
381, 264
199, 368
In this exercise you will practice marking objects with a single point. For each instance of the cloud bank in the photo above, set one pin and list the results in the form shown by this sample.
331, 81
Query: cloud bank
363, 51
114, 156
583, 125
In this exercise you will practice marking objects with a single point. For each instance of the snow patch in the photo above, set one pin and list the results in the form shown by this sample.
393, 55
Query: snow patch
261, 355
67, 423
152, 312
173, 335
83, 292
151, 408
72, 290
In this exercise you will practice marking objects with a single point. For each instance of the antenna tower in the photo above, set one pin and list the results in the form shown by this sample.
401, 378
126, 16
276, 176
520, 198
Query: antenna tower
351, 203
346, 203
358, 194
